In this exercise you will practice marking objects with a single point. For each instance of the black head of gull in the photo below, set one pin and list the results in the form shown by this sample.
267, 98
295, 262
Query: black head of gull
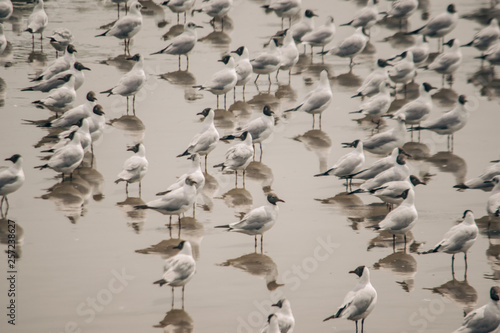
267, 110
450, 42
358, 271
135, 57
273, 198
204, 113
13, 158
451, 9
462, 99
180, 245
80, 67
71, 49
239, 50
428, 87
225, 59
98, 110
415, 181
91, 96
66, 77
135, 148
309, 13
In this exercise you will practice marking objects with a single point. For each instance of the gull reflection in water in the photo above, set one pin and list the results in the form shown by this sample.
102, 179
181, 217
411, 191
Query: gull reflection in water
384, 240
3, 88
180, 78
133, 128
10, 227
450, 163
320, 143
259, 265
401, 264
238, 199
218, 39
260, 172
176, 321
135, 217
348, 79
208, 192
459, 292
174, 31
352, 207
71, 195
192, 231
155, 10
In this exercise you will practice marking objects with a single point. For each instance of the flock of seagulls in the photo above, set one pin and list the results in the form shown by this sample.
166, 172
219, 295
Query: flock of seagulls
389, 178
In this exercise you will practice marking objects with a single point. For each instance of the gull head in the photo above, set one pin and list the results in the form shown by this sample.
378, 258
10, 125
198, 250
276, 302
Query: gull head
91, 96
98, 110
13, 158
358, 271
273, 198
267, 110
135, 148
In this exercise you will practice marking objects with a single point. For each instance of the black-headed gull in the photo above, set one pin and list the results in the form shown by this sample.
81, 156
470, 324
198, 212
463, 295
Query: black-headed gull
60, 99
206, 139
239, 156
258, 220
179, 269
60, 39
303, 27
372, 82
419, 109
11, 178
458, 239
54, 82
365, 18
267, 62
320, 36
284, 316
37, 21
350, 46
485, 319
488, 36
183, 43
179, 6
285, 9
244, 68
135, 167
440, 25
59, 65
128, 26
359, 302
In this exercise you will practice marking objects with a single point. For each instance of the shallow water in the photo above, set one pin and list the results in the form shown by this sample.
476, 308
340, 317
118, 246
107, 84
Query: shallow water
80, 235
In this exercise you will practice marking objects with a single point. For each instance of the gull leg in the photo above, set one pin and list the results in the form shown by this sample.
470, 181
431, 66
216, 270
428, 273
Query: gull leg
256, 79
183, 297
453, 265
362, 324
465, 260
261, 243
393, 242
356, 326
172, 297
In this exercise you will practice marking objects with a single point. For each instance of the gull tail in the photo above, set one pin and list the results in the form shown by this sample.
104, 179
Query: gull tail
119, 180
434, 250
141, 207
468, 44
163, 192
461, 186
348, 23
220, 165
38, 78
352, 174
226, 226
337, 315
359, 111
326, 173
227, 137
294, 109
373, 190
160, 282
481, 57
414, 32
38, 123
28, 89
199, 87
109, 92
357, 95
41, 167
359, 190
103, 34
162, 50
48, 151
186, 153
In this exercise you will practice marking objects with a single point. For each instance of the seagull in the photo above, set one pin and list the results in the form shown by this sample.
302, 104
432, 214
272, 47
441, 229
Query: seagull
379, 165
448, 61
260, 128
59, 65
60, 99
217, 9
267, 62
83, 129
403, 71
194, 173
492, 54
419, 109
289, 54
350, 46
378, 104
390, 192
303, 27
488, 36
371, 83
182, 44
176, 202
486, 318
285, 9
258, 220
402, 218
135, 167
286, 321
401, 9
318, 99
206, 139
459, 238
348, 164
11, 179
37, 21
320, 36
68, 158
440, 25
359, 302
55, 81
483, 181
222, 81
420, 51
384, 142
179, 269
179, 6
127, 26
493, 204
239, 156
60, 39
130, 83
399, 171
6, 9
244, 68
272, 325
450, 122
365, 18
72, 116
